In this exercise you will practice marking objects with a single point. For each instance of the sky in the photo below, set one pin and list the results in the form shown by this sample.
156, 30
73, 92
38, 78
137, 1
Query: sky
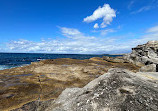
77, 26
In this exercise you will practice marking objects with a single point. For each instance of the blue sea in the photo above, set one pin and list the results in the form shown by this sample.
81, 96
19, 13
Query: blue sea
10, 60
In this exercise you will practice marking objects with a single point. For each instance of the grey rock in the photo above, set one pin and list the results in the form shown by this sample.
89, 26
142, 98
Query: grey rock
117, 90
35, 106
144, 54
148, 68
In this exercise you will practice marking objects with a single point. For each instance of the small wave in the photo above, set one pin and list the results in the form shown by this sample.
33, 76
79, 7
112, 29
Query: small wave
2, 67
40, 59
23, 65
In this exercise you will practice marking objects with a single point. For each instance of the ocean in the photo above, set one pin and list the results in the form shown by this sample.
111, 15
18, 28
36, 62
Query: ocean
11, 60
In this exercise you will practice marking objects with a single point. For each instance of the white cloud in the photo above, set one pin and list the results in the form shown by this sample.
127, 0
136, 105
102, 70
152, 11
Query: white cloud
153, 29
96, 26
106, 31
105, 12
152, 34
74, 33
151, 4
130, 4
70, 32
82, 44
145, 8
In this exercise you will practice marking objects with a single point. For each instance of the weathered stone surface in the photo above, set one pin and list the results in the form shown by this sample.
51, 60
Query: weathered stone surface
48, 78
144, 54
117, 90
35, 106
115, 59
148, 68
148, 76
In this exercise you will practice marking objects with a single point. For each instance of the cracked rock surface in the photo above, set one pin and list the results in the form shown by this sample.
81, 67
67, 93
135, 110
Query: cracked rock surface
45, 80
117, 90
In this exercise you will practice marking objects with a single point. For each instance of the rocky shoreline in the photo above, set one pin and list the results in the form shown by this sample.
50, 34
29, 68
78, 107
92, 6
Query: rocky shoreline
117, 90
43, 85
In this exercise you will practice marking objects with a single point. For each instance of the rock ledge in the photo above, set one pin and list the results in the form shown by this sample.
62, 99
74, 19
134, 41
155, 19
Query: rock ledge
117, 90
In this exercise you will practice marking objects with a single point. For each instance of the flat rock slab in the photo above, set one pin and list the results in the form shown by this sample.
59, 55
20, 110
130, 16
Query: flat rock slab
117, 90
46, 79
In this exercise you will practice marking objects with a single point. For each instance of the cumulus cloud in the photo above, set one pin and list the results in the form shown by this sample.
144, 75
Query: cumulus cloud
83, 44
105, 12
96, 26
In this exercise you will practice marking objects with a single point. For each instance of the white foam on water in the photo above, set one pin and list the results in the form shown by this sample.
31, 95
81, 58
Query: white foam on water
2, 67
40, 59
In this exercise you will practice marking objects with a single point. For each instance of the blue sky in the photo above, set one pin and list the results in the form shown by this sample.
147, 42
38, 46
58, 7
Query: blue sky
77, 26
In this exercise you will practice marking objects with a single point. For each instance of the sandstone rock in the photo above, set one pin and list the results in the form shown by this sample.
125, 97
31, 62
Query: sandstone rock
144, 54
148, 68
115, 59
48, 78
118, 90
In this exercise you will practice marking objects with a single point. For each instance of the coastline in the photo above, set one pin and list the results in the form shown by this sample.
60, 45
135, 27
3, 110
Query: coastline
8, 61
48, 82
74, 73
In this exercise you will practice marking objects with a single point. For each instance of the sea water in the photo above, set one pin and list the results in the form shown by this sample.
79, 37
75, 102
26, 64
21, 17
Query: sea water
10, 60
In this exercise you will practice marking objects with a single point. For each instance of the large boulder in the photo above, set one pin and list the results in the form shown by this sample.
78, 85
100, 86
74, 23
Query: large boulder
145, 54
117, 90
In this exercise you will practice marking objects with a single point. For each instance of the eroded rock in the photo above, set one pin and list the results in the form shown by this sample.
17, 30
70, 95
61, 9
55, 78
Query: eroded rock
145, 54
148, 68
118, 90
48, 78
115, 59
